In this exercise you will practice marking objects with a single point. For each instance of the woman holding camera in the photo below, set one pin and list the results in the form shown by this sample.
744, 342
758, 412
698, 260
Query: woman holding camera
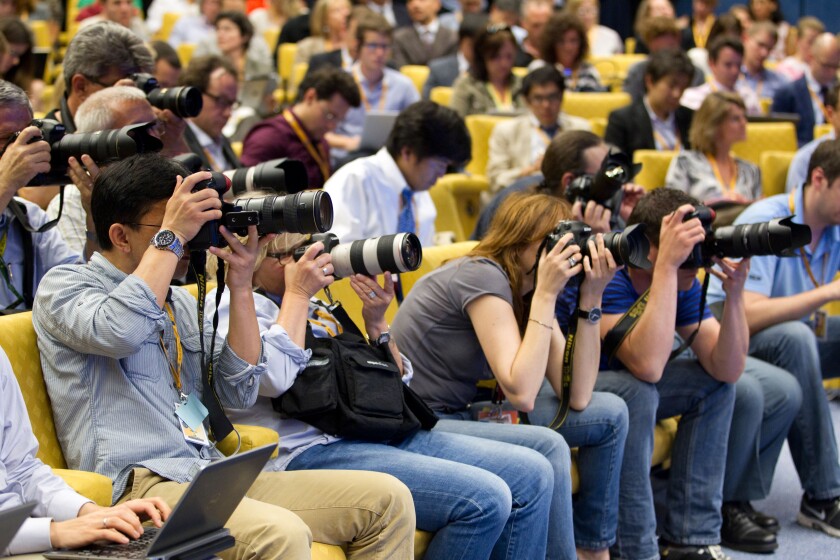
480, 498
491, 314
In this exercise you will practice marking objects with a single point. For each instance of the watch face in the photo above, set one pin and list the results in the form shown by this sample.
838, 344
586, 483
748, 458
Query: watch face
595, 315
164, 238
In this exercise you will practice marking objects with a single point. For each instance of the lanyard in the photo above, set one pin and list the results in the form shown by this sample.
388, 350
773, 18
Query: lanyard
543, 136
211, 160
364, 95
499, 101
6, 273
700, 38
733, 179
819, 103
663, 142
805, 260
319, 154
712, 84
175, 369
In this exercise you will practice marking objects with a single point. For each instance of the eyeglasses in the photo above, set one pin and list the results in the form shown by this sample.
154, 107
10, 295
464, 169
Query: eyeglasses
103, 84
377, 46
494, 28
223, 102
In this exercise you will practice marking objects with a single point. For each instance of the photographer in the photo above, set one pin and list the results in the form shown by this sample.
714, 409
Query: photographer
785, 301
24, 256
119, 346
462, 486
489, 315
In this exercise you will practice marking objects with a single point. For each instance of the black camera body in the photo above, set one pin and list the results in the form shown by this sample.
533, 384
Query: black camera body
605, 187
629, 247
401, 252
780, 237
184, 101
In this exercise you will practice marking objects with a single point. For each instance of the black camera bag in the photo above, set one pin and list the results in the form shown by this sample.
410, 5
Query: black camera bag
354, 390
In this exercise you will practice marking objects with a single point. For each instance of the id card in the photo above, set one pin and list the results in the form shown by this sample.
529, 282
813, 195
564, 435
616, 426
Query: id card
198, 435
191, 414
498, 416
821, 324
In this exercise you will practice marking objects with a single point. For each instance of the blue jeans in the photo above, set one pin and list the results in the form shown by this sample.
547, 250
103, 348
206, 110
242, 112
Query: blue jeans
561, 542
792, 346
767, 399
482, 499
697, 457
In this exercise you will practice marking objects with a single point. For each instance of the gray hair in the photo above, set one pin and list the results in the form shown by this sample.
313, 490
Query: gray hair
97, 112
99, 48
12, 95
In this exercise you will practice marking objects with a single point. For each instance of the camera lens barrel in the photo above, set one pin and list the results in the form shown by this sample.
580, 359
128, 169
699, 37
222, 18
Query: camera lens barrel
399, 252
184, 101
302, 212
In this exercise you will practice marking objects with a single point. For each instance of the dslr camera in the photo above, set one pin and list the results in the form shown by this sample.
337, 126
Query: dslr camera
605, 187
399, 252
183, 101
279, 175
301, 212
629, 247
780, 237
104, 146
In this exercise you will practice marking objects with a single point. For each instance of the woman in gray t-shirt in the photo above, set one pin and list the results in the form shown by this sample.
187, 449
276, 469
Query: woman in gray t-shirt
469, 320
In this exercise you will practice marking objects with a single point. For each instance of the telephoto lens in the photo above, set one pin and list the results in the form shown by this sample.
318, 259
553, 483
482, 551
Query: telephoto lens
394, 253
302, 212
277, 175
184, 101
779, 237
629, 247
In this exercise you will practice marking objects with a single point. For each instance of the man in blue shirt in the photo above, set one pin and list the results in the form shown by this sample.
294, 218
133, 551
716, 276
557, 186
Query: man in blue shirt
793, 332
798, 170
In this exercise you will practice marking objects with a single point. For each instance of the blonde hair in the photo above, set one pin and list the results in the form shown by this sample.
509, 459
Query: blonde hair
318, 17
708, 118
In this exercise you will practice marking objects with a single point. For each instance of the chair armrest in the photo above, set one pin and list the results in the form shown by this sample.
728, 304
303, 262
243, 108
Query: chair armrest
252, 437
91, 485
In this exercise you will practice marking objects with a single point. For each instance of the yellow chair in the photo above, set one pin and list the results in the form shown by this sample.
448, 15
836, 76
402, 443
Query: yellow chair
270, 36
418, 74
822, 130
630, 45
342, 291
655, 166
763, 137
185, 52
457, 198
480, 127
593, 105
607, 69
296, 77
774, 169
237, 148
169, 20
441, 95
40, 34
766, 103
599, 126
433, 257
285, 61
520, 71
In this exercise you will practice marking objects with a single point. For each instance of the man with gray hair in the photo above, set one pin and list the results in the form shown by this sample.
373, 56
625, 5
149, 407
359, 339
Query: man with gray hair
98, 57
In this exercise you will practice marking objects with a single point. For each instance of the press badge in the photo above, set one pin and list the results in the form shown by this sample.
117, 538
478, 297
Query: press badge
497, 415
821, 324
191, 414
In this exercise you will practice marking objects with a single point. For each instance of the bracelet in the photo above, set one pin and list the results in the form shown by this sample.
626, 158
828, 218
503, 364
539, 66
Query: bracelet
549, 327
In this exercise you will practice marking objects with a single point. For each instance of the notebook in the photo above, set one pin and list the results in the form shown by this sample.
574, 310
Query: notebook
195, 529
377, 127
11, 520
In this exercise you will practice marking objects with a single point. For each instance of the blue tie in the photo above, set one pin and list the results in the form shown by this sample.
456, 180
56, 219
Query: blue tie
405, 223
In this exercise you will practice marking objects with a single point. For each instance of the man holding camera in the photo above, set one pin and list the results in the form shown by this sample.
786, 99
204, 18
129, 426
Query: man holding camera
122, 359
785, 301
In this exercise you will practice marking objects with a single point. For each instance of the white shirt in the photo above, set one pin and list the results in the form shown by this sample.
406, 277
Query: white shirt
432, 29
694, 97
366, 197
213, 148
154, 15
73, 222
666, 130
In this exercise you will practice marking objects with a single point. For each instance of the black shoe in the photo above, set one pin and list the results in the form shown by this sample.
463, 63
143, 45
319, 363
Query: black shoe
740, 532
820, 514
687, 552
766, 522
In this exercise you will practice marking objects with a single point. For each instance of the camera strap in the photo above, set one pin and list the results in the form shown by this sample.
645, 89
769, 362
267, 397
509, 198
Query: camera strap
19, 210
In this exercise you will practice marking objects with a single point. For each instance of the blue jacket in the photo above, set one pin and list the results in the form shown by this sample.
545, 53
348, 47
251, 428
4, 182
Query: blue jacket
796, 98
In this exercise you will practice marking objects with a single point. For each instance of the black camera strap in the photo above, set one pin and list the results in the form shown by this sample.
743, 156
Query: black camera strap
19, 210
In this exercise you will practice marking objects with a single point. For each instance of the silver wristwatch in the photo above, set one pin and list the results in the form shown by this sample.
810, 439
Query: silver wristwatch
166, 240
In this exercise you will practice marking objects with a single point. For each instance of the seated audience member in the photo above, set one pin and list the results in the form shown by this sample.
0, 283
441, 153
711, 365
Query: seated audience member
395, 13
517, 145
490, 85
274, 14
504, 12
158, 8
342, 57
381, 88
696, 33
602, 40
657, 121
106, 332
769, 11
784, 300
120, 12
647, 10
62, 518
193, 29
328, 22
725, 57
215, 77
807, 96
21, 70
798, 170
759, 40
498, 313
709, 171
324, 98
167, 64
387, 192
565, 46
794, 66
462, 486
727, 25
425, 39
742, 12
533, 16
234, 39
99, 56
660, 34
697, 385
445, 70
22, 158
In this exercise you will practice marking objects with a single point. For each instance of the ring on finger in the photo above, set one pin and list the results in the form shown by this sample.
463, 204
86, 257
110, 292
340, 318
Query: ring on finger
105, 523
372, 294
572, 262
326, 271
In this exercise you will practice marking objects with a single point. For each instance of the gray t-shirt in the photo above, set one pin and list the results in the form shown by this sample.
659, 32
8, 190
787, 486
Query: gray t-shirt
433, 329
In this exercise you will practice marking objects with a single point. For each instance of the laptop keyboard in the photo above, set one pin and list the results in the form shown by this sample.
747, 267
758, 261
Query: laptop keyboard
133, 549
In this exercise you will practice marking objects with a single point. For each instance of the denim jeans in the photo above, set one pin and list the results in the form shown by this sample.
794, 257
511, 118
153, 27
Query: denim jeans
792, 346
561, 542
697, 457
767, 399
482, 499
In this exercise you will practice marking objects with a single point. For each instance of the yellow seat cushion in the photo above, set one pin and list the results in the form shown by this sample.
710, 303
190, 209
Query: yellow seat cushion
457, 199
91, 485
655, 166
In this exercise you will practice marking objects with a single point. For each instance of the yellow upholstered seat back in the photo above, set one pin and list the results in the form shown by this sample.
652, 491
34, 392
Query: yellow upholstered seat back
480, 128
417, 74
457, 198
774, 169
594, 105
762, 137
655, 166
822, 130
169, 21
185, 52
433, 257
441, 95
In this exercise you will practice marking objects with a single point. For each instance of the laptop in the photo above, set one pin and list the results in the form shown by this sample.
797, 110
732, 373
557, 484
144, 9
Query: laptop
377, 127
195, 528
11, 521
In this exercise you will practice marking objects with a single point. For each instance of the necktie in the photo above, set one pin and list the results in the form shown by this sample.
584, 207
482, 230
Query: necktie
550, 131
405, 222
823, 93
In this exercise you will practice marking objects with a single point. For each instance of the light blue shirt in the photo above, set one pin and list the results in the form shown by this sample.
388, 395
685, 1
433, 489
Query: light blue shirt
798, 170
112, 391
774, 276
765, 83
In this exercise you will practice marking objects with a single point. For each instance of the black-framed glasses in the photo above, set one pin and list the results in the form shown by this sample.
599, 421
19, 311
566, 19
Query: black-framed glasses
103, 84
223, 102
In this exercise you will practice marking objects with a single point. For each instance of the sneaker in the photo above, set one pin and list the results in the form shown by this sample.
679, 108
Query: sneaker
766, 522
740, 532
820, 514
682, 552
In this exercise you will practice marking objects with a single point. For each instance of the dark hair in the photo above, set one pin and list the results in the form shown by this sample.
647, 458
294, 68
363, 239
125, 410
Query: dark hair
16, 31
725, 42
669, 62
654, 206
487, 44
329, 81
725, 25
827, 158
430, 130
197, 73
542, 76
565, 155
776, 17
372, 22
557, 26
164, 51
655, 27
240, 20
471, 26
127, 189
